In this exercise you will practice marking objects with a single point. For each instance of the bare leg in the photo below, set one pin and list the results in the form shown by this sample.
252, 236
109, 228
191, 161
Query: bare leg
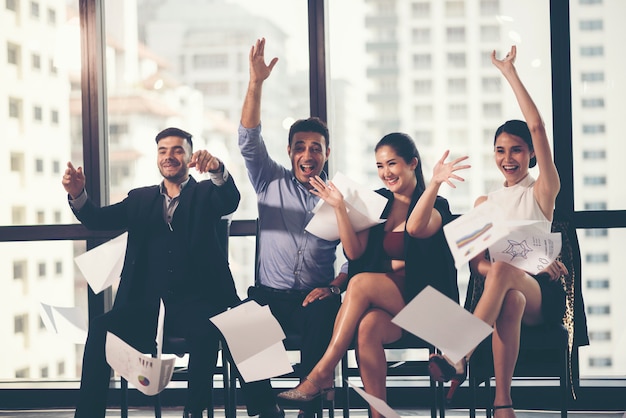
505, 345
365, 291
375, 329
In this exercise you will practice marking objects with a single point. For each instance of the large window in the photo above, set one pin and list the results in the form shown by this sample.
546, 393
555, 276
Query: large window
422, 67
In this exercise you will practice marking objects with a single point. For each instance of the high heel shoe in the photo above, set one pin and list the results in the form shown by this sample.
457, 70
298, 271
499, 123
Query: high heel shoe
295, 396
441, 370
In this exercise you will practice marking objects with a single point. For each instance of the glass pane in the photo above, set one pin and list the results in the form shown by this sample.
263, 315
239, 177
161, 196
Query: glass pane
185, 64
40, 62
424, 69
598, 88
178, 64
41, 346
603, 288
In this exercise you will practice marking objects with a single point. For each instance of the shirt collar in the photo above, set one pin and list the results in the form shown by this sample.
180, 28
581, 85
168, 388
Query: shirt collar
181, 186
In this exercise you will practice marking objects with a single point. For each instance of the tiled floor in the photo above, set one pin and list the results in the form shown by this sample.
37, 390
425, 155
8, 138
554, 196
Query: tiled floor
356, 413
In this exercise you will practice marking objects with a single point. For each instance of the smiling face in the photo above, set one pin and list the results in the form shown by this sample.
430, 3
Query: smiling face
397, 175
308, 154
512, 157
173, 155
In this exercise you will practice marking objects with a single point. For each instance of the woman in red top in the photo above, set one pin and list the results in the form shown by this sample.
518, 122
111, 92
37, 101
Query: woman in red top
385, 258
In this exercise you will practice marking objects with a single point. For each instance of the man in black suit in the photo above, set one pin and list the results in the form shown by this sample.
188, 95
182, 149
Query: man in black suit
173, 253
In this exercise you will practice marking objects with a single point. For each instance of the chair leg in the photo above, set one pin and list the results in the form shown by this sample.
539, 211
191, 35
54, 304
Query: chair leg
157, 405
124, 395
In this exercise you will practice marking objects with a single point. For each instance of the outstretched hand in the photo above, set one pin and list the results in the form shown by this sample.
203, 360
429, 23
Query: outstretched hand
259, 70
73, 180
204, 161
327, 192
444, 171
507, 63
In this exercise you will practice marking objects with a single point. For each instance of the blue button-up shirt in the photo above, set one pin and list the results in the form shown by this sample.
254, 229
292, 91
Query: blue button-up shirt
289, 256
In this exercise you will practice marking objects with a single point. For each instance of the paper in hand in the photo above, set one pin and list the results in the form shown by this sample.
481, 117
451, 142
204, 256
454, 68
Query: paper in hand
472, 233
440, 321
527, 247
103, 264
364, 209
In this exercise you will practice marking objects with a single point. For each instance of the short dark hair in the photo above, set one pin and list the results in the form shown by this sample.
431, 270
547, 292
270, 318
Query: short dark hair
518, 128
312, 124
174, 132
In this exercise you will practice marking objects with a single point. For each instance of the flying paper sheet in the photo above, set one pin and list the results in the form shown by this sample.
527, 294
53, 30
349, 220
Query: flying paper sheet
102, 265
148, 374
364, 209
376, 403
439, 320
254, 339
472, 233
69, 323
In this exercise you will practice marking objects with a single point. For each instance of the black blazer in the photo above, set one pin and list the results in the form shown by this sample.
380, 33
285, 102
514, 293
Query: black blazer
428, 260
202, 205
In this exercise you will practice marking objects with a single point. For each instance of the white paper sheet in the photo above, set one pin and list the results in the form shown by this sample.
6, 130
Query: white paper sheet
364, 209
439, 320
527, 247
103, 264
149, 375
376, 403
70, 323
472, 233
254, 338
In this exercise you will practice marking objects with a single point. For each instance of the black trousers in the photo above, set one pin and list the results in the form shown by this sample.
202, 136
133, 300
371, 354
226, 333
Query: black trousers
136, 325
314, 323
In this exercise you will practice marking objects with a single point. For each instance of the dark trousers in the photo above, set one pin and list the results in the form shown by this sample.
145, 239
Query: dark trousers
314, 323
136, 325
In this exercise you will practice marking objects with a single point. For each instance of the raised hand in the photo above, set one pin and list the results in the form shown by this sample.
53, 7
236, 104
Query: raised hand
507, 63
73, 180
327, 192
259, 70
443, 171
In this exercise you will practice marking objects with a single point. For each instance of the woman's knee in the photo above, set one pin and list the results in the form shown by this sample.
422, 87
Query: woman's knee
513, 305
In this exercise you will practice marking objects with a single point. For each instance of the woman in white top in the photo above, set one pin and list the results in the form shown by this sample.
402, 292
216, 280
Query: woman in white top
512, 296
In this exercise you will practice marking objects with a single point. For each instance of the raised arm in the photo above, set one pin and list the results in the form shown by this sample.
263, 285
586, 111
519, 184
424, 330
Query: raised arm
548, 183
259, 72
424, 221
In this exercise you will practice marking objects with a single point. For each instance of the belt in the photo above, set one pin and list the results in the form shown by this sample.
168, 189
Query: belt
299, 292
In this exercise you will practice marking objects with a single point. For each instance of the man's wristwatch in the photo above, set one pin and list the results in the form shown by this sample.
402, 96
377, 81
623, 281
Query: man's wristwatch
334, 290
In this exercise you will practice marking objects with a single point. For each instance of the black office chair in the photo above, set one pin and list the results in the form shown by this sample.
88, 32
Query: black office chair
546, 351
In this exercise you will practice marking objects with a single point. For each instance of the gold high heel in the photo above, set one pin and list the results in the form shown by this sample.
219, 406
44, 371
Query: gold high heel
299, 397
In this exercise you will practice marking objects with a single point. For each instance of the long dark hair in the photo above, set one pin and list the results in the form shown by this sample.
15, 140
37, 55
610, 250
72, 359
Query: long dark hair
405, 147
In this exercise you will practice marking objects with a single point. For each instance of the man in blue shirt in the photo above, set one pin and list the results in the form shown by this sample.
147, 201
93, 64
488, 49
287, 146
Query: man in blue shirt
296, 268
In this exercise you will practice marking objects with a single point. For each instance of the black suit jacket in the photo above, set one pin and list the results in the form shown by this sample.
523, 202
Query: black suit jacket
202, 205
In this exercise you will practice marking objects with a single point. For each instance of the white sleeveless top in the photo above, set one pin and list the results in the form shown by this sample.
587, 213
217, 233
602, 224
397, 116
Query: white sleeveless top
518, 202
